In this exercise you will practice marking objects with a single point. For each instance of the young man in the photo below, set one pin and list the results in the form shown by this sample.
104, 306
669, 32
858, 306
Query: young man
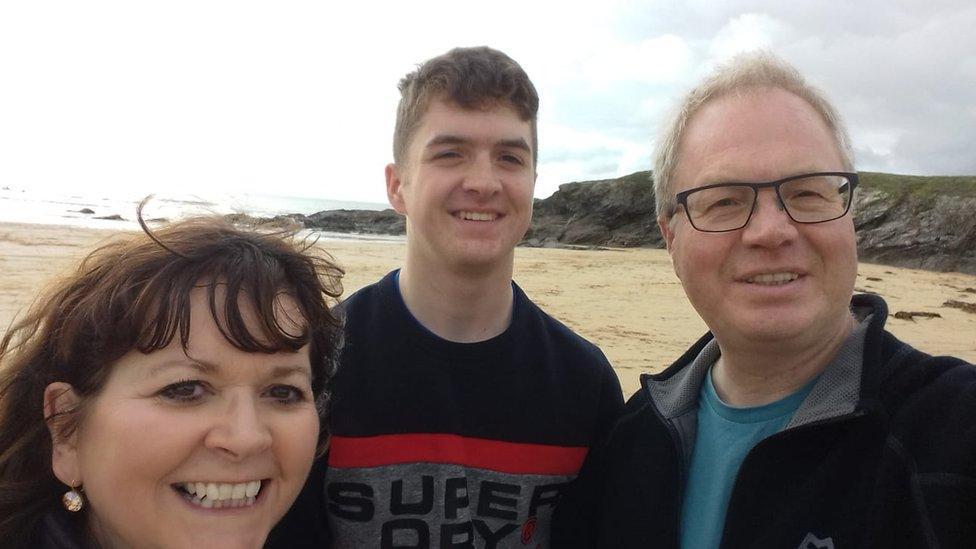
461, 409
798, 421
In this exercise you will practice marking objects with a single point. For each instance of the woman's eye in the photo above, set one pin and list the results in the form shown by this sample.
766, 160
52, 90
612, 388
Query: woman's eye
286, 394
183, 391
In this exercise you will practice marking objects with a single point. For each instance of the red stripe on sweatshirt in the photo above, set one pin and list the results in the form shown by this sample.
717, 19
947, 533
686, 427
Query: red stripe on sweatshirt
478, 453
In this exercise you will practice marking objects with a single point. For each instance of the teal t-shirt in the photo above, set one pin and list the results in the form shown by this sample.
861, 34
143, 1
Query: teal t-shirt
724, 437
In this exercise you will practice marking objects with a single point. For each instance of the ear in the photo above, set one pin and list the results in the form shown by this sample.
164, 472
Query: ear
667, 231
59, 399
394, 189
664, 223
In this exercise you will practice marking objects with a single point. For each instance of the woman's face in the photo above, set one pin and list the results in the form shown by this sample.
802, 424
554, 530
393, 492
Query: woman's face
203, 449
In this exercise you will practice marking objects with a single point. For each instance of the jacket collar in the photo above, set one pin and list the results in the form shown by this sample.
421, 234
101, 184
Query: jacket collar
674, 392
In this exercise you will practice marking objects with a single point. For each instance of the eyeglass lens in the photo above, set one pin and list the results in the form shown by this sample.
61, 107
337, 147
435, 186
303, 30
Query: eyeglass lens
807, 200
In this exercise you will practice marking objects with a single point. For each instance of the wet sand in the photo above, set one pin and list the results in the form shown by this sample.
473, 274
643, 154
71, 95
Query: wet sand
626, 301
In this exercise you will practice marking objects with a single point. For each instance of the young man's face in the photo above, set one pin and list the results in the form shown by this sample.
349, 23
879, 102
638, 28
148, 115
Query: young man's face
774, 279
465, 185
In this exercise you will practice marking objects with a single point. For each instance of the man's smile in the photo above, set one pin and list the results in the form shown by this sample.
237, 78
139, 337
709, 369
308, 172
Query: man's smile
772, 279
476, 216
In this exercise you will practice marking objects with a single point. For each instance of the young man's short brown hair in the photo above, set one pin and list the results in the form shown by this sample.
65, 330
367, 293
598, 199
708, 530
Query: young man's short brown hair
472, 78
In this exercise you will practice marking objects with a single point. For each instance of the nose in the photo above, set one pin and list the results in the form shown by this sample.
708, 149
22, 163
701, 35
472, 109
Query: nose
770, 226
239, 429
482, 177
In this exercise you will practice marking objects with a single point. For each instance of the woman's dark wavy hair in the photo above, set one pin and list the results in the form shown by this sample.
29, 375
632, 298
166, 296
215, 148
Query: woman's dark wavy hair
134, 293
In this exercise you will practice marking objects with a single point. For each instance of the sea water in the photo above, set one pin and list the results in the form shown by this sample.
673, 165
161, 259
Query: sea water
116, 211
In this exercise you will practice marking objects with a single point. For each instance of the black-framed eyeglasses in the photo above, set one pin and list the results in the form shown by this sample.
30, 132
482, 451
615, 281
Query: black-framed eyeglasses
808, 198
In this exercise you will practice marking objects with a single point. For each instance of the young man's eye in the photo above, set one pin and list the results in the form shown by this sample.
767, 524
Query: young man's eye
447, 155
286, 394
513, 160
183, 391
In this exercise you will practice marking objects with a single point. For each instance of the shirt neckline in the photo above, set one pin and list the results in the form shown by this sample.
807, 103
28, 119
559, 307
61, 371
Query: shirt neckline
783, 407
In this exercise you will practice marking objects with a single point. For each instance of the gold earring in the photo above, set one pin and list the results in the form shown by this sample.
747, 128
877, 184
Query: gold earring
72, 499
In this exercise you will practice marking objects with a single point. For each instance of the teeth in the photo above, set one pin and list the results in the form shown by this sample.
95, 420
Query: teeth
773, 278
214, 495
477, 216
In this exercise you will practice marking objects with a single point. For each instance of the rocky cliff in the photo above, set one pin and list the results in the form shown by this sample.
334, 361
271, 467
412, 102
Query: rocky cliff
610, 212
357, 221
905, 221
920, 222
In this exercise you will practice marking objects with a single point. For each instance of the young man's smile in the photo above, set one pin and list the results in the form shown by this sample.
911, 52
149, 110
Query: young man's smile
466, 185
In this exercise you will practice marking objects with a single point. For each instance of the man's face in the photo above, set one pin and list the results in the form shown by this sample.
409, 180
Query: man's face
762, 136
465, 185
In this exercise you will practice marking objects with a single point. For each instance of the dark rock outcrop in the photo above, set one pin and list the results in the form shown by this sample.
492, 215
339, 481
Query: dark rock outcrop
918, 222
358, 221
609, 212
905, 221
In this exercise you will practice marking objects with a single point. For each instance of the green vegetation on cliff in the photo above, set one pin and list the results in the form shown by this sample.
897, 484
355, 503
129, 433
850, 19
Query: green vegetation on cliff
921, 186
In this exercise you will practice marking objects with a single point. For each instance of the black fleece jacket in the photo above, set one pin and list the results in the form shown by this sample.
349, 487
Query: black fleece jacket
890, 461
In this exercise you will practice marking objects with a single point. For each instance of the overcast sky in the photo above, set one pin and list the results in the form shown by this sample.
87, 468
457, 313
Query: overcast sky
298, 98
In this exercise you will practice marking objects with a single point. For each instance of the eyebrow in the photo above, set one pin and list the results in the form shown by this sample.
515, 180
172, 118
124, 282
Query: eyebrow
208, 368
447, 139
717, 178
285, 371
200, 366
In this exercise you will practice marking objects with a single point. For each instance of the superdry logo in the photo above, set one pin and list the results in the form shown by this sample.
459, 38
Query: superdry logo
528, 530
444, 490
813, 542
432, 512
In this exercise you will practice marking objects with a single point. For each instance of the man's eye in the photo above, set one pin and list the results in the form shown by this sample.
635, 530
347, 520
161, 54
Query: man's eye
723, 203
183, 391
512, 159
447, 155
286, 394
808, 194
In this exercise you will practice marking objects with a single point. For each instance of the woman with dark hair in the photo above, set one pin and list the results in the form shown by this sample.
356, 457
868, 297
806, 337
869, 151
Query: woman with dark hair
170, 393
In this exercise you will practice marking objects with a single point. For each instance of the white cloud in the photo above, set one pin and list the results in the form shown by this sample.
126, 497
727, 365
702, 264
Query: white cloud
299, 97
746, 32
658, 59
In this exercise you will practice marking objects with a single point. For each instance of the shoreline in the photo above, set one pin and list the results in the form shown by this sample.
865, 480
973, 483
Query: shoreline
627, 301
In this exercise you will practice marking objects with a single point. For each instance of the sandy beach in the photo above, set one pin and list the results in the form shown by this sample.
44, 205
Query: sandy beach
626, 301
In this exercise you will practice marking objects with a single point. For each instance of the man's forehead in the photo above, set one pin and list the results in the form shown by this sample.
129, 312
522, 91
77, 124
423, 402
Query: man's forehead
733, 137
445, 121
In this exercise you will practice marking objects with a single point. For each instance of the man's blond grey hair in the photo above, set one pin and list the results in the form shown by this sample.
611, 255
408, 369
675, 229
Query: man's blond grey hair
742, 74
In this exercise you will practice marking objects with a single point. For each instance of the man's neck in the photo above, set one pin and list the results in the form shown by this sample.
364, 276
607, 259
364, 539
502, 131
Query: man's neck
464, 306
749, 375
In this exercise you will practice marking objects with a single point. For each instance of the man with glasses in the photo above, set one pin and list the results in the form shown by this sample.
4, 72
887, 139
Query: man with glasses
798, 421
